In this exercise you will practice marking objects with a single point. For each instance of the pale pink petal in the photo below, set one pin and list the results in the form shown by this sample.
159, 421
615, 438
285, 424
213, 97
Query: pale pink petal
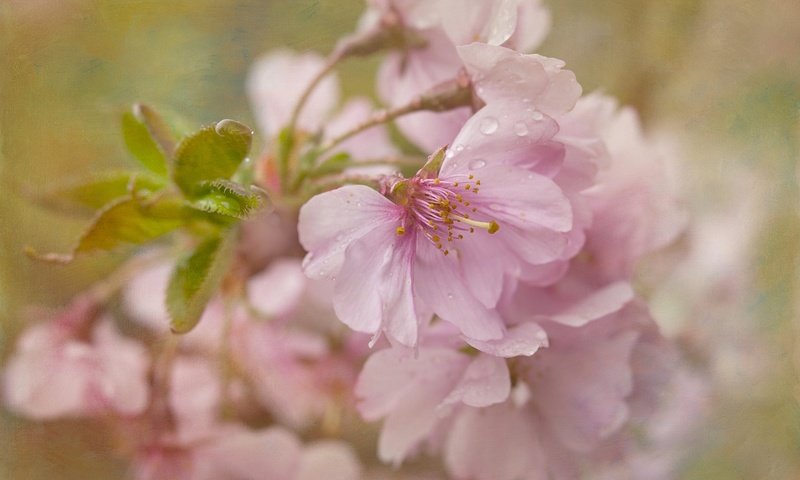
331, 221
504, 134
328, 459
390, 374
437, 282
501, 75
373, 288
125, 363
145, 299
490, 22
277, 80
403, 78
47, 376
581, 389
277, 290
520, 198
407, 391
599, 303
533, 25
272, 454
493, 443
194, 396
486, 381
524, 339
372, 144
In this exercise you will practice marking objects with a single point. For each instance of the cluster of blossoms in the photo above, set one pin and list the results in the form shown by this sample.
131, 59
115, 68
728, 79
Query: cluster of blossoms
492, 321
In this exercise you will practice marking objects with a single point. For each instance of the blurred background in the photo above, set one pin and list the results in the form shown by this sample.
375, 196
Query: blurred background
715, 81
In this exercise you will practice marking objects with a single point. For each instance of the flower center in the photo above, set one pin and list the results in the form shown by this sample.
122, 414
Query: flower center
445, 210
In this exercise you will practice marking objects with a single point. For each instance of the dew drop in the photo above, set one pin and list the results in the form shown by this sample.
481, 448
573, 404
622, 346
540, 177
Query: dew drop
520, 129
537, 115
477, 164
459, 147
489, 125
450, 295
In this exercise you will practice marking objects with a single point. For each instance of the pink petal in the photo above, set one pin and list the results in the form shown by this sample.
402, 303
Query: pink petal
125, 365
521, 198
599, 303
277, 290
486, 381
277, 80
524, 339
331, 221
533, 25
438, 283
374, 287
373, 143
328, 459
493, 443
504, 134
581, 390
273, 453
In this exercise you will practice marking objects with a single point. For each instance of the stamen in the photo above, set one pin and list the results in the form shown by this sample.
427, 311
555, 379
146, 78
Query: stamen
400, 230
491, 226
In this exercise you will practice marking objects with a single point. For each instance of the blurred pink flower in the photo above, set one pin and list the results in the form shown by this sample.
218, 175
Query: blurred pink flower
54, 373
275, 84
634, 203
203, 447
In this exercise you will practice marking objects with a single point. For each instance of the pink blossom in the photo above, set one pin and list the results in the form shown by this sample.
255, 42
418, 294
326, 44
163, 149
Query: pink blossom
54, 373
424, 247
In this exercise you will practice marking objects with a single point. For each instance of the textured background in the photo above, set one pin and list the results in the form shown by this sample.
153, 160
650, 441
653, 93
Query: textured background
721, 75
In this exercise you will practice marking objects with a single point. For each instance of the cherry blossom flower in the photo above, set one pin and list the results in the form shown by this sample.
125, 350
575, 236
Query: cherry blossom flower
426, 245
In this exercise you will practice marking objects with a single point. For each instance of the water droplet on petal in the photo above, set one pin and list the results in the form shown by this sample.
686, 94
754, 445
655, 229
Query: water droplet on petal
489, 125
520, 129
537, 115
459, 147
450, 295
477, 164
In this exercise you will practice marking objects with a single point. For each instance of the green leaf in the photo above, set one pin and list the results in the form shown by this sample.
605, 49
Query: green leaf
141, 143
225, 197
125, 221
159, 130
195, 279
93, 192
212, 153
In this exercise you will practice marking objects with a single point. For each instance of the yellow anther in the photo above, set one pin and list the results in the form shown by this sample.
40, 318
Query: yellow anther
493, 227
467, 186
471, 176
446, 252
436, 238
400, 230
477, 182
